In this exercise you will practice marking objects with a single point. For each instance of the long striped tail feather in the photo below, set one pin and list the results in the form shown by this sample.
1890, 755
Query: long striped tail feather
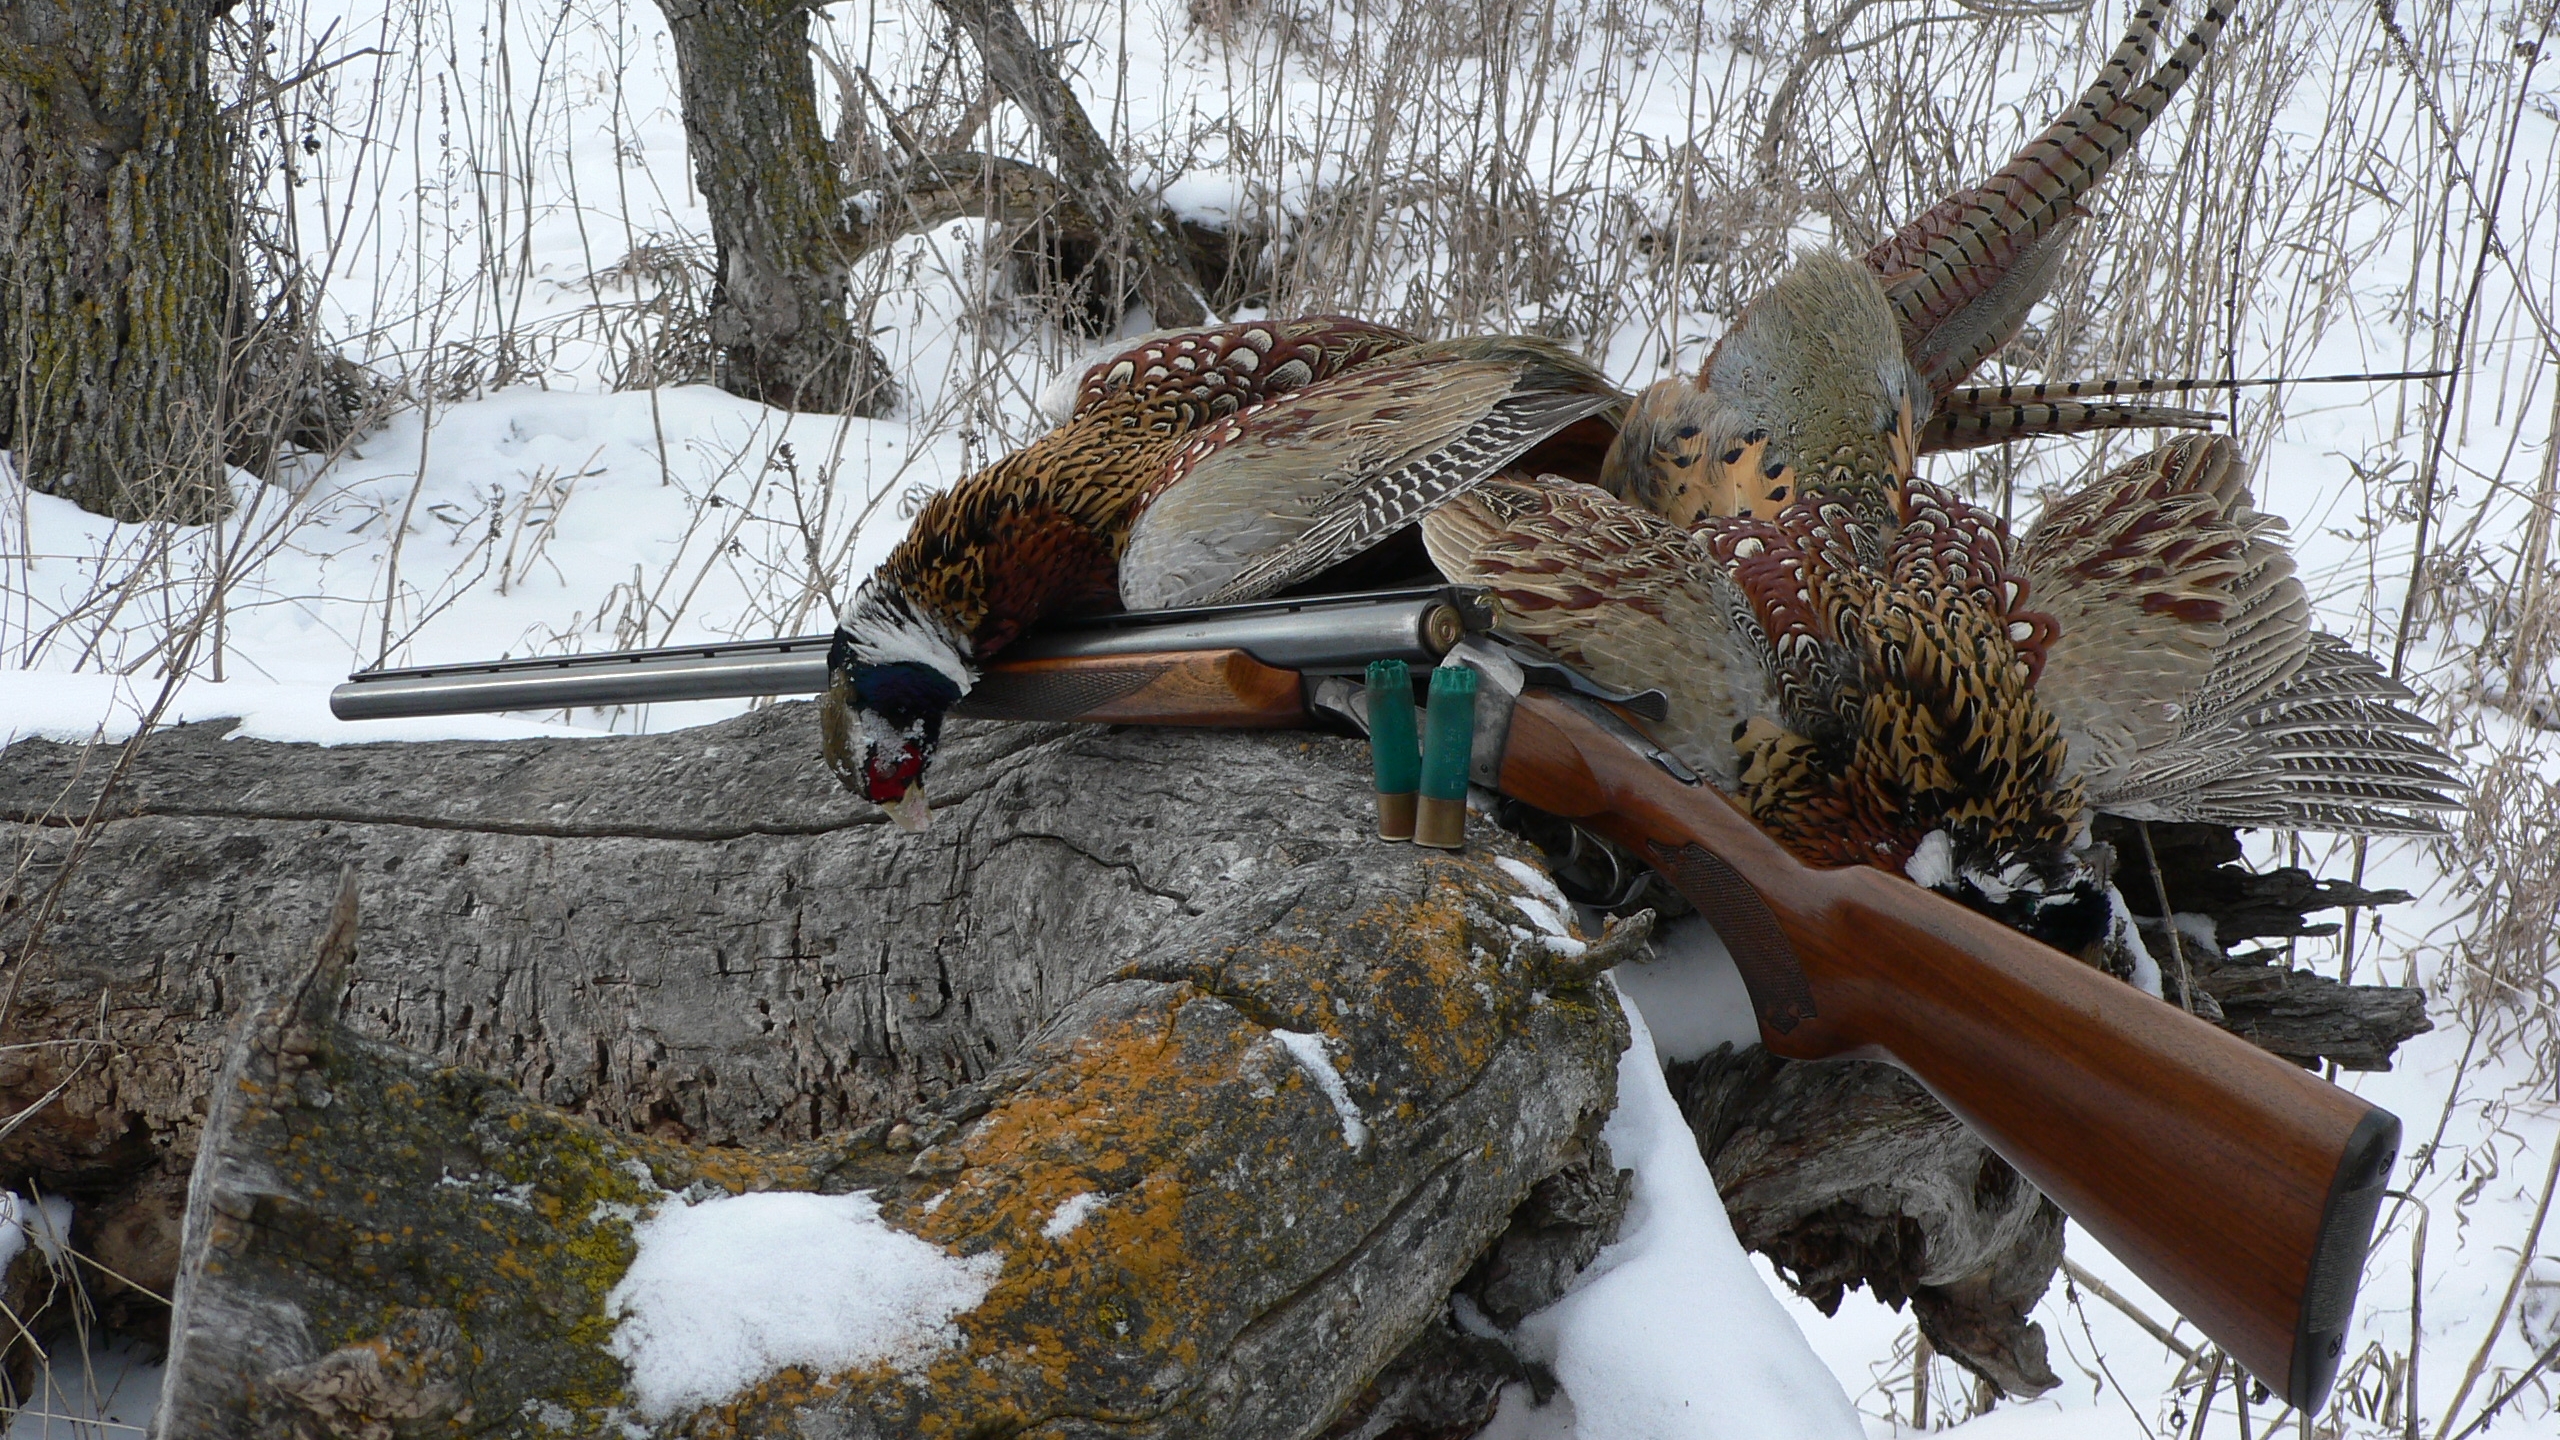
1940, 268
1960, 425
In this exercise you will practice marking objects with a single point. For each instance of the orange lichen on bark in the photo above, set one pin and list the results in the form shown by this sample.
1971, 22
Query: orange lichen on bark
1181, 1118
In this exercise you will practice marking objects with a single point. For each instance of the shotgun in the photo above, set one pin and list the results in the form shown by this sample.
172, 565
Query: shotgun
2240, 1187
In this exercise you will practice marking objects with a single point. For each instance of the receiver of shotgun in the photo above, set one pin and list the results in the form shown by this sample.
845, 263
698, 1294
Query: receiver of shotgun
2241, 1188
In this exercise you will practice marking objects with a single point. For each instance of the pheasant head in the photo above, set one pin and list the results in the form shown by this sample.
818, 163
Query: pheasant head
892, 673
1810, 391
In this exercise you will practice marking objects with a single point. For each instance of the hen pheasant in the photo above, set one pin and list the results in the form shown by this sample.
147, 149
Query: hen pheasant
1198, 467
1960, 280
1882, 676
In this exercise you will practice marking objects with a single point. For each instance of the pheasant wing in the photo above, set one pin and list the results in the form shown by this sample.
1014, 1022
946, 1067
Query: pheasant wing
2146, 573
2187, 675
1284, 489
1618, 593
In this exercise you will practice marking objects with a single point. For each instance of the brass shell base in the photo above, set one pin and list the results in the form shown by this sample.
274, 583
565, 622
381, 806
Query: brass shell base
1441, 824
1395, 816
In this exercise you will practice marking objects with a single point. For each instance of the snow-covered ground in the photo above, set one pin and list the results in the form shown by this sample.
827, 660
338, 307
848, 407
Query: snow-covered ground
480, 190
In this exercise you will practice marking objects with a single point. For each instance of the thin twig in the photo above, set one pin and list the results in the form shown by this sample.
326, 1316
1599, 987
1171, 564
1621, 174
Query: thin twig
2506, 1305
2133, 1312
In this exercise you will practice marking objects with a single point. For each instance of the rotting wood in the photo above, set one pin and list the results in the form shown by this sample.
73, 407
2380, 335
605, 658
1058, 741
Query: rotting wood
664, 935
379, 1241
700, 941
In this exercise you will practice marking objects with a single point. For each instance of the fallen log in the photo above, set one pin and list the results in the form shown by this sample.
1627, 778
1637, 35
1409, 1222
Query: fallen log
1303, 1078
694, 951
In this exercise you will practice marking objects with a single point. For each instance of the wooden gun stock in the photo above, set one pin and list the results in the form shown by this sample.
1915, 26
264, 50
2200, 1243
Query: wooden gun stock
2238, 1186
1226, 688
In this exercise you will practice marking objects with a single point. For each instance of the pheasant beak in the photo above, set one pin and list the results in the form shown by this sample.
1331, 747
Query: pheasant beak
910, 812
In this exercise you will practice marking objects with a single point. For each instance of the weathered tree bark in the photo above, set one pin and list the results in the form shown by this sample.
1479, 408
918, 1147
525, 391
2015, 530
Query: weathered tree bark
116, 249
701, 942
778, 318
696, 940
1252, 1261
1157, 260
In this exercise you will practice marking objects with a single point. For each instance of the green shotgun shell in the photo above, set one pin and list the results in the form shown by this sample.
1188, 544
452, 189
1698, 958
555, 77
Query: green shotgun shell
1395, 752
1448, 748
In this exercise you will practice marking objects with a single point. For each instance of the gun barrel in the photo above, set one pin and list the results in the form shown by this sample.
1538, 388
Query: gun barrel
1320, 634
625, 677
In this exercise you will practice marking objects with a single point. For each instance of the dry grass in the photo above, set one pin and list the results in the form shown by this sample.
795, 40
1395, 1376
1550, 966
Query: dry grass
1621, 175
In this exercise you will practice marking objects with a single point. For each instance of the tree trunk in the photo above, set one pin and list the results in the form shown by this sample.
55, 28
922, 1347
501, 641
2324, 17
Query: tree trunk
760, 155
116, 241
1157, 267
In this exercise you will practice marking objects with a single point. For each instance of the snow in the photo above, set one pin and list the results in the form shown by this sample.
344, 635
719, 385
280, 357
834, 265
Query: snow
1311, 1052
80, 707
111, 1393
548, 512
729, 1290
46, 1221
2124, 931
1544, 905
1670, 1334
1071, 1212
1691, 992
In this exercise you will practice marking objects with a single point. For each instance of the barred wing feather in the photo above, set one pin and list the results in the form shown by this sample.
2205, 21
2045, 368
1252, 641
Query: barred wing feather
1620, 594
1280, 491
2187, 677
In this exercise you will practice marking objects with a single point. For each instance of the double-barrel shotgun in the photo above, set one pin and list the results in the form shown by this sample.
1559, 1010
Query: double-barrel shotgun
2238, 1186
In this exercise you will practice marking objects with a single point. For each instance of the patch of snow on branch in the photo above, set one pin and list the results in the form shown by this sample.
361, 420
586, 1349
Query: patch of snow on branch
1308, 1048
729, 1291
2120, 922
1670, 1334
1545, 905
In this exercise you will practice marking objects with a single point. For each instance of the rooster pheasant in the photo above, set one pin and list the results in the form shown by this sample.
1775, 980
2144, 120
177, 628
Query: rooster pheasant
1960, 280
1881, 675
1198, 467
